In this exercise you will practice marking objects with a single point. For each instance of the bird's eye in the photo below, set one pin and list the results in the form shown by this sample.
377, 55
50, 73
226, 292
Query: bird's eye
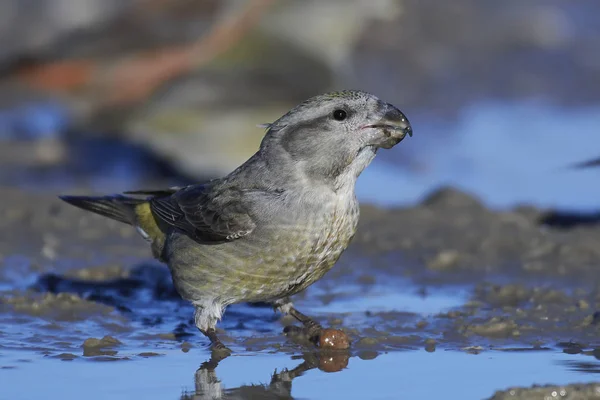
340, 115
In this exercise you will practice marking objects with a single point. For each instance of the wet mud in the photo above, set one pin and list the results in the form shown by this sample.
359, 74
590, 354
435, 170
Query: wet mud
77, 286
568, 392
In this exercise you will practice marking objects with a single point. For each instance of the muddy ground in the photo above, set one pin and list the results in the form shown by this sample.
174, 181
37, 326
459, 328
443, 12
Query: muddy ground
77, 285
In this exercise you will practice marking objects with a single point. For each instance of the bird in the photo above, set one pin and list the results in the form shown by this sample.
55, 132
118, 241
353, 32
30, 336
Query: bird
274, 225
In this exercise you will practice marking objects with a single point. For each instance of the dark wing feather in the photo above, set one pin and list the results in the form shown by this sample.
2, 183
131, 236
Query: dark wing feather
157, 193
166, 209
205, 214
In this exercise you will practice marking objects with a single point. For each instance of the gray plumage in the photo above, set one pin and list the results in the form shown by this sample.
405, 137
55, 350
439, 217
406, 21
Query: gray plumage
278, 222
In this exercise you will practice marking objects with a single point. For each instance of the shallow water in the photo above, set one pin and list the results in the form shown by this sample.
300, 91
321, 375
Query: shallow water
148, 365
410, 374
391, 297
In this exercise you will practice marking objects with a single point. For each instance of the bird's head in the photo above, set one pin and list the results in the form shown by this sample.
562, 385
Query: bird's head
336, 134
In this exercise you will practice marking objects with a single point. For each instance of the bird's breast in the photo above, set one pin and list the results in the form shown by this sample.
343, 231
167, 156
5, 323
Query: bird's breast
315, 243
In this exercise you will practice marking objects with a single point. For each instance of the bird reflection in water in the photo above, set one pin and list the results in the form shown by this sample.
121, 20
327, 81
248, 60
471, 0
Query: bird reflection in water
208, 385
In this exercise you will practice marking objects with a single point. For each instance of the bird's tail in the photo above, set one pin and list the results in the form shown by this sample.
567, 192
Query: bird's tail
120, 208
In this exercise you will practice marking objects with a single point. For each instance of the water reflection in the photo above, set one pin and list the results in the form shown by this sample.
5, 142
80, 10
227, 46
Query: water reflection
209, 386
250, 375
586, 366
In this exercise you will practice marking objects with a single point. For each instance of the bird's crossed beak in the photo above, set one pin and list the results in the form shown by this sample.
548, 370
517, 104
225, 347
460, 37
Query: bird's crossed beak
394, 126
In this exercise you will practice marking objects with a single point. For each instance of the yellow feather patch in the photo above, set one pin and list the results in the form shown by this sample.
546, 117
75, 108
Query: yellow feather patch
147, 223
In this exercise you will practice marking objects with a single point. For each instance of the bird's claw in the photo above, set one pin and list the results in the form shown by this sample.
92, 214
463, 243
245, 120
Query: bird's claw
310, 333
219, 350
313, 331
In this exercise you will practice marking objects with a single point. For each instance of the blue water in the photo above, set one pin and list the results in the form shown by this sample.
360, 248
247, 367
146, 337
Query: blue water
411, 375
391, 297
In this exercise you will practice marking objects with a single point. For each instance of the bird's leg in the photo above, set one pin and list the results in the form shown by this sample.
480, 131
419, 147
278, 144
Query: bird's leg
287, 376
206, 381
206, 325
312, 328
215, 343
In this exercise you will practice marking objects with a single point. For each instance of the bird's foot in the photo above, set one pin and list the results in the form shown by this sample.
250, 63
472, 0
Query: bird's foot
302, 334
218, 349
328, 338
312, 329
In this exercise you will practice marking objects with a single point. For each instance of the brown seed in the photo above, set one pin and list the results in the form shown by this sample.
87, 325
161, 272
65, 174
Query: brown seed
334, 339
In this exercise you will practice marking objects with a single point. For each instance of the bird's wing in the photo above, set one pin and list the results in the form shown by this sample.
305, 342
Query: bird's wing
205, 214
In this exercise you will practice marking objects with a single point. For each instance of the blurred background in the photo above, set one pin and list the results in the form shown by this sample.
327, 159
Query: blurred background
122, 94
102, 96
